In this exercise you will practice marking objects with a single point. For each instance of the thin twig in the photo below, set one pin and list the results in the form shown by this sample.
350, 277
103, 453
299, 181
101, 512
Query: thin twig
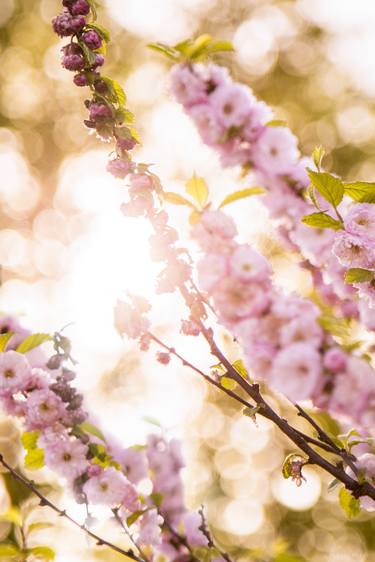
45, 502
124, 527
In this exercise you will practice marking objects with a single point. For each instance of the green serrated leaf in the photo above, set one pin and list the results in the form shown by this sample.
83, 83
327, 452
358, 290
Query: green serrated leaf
4, 338
350, 505
88, 427
29, 440
318, 155
361, 191
157, 498
197, 188
116, 91
42, 552
165, 50
135, 516
335, 325
321, 220
310, 193
329, 187
8, 551
90, 56
34, 459
177, 199
241, 194
358, 275
228, 383
33, 341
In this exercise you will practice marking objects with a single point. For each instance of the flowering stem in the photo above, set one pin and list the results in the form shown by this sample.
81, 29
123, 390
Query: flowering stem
45, 502
115, 512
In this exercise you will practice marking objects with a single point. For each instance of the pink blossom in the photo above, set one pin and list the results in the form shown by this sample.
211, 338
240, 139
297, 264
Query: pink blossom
129, 320
149, 528
134, 463
335, 360
301, 329
66, 456
360, 220
296, 371
235, 300
367, 292
44, 408
248, 265
215, 232
353, 251
276, 151
232, 104
15, 373
187, 88
110, 488
191, 522
366, 465
204, 117
211, 268
315, 243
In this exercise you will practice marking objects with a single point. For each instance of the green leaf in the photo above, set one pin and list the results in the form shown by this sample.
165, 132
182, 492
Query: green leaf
102, 31
329, 187
332, 485
240, 368
287, 557
29, 440
361, 191
135, 516
177, 199
42, 552
39, 526
33, 341
116, 91
197, 188
276, 123
350, 505
157, 498
4, 338
8, 551
335, 325
94, 6
358, 275
318, 155
90, 56
220, 46
152, 421
88, 427
34, 459
199, 47
165, 50
13, 515
228, 383
287, 464
310, 193
321, 220
241, 194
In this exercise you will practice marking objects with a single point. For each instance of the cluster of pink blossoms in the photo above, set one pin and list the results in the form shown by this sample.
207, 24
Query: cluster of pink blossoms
354, 246
232, 121
280, 334
97, 472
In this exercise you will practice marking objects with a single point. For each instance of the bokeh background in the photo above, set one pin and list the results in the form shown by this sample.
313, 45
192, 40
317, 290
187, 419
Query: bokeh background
67, 253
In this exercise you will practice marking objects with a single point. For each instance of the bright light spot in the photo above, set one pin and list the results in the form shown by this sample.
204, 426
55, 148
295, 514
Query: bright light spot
356, 124
242, 517
152, 19
245, 435
298, 498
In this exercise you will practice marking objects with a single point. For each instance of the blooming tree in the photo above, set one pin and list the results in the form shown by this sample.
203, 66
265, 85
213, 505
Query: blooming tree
296, 346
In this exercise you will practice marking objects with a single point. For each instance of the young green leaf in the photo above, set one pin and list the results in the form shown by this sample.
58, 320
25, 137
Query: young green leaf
199, 47
88, 427
34, 459
228, 383
361, 191
350, 505
29, 440
321, 220
116, 92
197, 188
241, 194
90, 56
8, 551
39, 526
329, 187
177, 199
4, 338
318, 155
42, 553
276, 123
33, 341
135, 516
13, 515
165, 50
240, 368
102, 31
358, 275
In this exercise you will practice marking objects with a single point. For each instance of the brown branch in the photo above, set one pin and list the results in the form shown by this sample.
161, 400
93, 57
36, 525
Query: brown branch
45, 502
